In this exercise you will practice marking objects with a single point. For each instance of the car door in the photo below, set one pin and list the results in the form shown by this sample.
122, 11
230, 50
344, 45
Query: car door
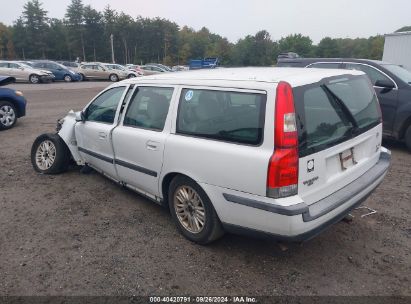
140, 138
18, 71
101, 72
94, 134
388, 97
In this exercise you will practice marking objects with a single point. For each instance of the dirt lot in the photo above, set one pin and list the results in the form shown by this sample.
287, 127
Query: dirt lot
75, 234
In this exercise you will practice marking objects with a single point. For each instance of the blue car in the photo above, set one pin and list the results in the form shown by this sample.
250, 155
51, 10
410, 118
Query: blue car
12, 104
59, 71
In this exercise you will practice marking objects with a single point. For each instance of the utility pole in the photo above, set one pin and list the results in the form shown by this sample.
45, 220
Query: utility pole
112, 48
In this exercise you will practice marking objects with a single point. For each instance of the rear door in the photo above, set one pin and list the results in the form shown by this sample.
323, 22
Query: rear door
339, 126
388, 97
94, 135
140, 138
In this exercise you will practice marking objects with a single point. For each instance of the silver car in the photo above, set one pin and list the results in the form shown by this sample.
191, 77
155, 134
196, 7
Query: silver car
113, 66
96, 70
23, 72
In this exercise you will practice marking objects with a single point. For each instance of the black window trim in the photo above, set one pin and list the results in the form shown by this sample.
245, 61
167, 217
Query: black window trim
223, 89
375, 68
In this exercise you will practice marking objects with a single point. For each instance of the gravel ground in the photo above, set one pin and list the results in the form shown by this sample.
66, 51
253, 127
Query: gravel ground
75, 234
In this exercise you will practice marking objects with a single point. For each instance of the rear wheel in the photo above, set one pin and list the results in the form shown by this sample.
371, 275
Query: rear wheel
193, 212
49, 154
408, 138
8, 115
113, 78
34, 79
131, 76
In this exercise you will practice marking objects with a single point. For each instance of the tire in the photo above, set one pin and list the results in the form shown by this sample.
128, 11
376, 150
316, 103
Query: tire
8, 115
182, 209
68, 78
83, 77
49, 154
407, 138
34, 79
130, 76
113, 78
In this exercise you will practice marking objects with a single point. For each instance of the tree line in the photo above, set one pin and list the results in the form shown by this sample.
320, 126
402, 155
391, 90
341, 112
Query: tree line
86, 33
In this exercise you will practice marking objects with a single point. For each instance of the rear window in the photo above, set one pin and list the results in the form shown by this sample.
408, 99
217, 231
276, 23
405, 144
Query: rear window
222, 115
334, 111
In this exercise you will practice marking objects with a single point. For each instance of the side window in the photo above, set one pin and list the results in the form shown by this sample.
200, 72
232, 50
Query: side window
372, 73
149, 108
222, 115
4, 65
104, 107
14, 66
325, 65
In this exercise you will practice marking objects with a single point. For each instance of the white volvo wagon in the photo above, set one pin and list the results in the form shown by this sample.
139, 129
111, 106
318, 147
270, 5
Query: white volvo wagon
264, 151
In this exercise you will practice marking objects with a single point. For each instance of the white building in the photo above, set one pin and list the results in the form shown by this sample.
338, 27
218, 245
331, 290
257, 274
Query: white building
397, 49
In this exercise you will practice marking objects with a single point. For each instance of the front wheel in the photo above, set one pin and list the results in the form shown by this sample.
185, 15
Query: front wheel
113, 78
193, 212
68, 78
49, 154
8, 115
408, 138
34, 79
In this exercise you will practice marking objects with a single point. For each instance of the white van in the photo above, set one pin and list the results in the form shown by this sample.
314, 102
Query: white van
281, 152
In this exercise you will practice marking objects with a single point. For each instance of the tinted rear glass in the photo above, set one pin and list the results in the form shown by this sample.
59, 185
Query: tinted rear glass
334, 111
222, 115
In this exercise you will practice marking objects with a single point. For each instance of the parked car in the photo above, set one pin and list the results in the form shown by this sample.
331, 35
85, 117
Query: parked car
74, 66
268, 151
152, 70
59, 71
161, 66
391, 82
136, 69
23, 72
178, 68
96, 70
118, 67
12, 104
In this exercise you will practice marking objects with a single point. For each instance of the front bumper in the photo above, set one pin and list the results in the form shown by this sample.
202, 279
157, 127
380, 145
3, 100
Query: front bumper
47, 78
299, 222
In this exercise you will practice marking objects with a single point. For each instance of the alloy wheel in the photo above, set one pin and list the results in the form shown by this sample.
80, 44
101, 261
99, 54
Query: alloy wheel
45, 155
189, 209
7, 115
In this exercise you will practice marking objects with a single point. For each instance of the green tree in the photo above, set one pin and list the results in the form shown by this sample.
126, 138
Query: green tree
328, 48
6, 43
74, 21
297, 43
404, 29
35, 23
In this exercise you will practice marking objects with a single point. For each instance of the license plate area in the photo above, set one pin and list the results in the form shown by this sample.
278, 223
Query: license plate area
347, 159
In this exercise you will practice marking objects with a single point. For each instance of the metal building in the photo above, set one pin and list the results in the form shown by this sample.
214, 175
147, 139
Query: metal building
397, 49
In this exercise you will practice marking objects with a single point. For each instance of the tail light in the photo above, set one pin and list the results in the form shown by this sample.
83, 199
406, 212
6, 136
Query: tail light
282, 178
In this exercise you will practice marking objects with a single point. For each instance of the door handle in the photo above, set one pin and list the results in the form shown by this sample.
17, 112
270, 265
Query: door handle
102, 135
152, 145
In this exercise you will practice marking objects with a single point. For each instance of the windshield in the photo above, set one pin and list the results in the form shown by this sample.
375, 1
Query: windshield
400, 72
25, 65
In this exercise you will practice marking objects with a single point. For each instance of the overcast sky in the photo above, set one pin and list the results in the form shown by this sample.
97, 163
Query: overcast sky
235, 19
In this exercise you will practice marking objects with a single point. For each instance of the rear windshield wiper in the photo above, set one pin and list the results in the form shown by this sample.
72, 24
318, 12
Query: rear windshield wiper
343, 107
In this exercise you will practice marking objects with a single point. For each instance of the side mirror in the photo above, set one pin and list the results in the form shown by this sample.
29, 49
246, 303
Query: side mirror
386, 84
80, 116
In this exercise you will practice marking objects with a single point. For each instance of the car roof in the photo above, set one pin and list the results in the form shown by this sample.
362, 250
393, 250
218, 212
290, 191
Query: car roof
295, 76
312, 60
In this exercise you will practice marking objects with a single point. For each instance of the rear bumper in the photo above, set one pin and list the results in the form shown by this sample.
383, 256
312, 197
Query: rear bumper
299, 222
